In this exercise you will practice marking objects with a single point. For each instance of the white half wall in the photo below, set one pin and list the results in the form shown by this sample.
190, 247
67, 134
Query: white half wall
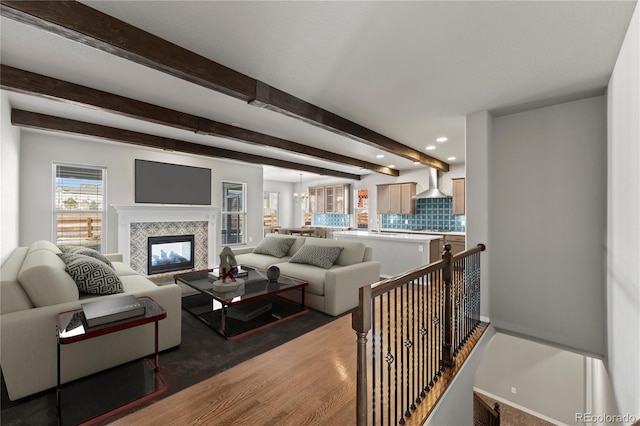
547, 380
478, 136
547, 224
39, 150
623, 224
9, 180
456, 405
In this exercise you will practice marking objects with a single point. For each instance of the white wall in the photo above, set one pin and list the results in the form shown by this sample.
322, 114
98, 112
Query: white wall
9, 180
478, 140
285, 201
548, 380
623, 224
547, 224
39, 150
456, 405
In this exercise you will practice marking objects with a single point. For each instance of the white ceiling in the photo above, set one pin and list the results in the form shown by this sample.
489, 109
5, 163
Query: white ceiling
411, 71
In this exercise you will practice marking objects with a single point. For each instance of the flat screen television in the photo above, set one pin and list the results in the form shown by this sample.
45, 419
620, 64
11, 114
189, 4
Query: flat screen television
164, 183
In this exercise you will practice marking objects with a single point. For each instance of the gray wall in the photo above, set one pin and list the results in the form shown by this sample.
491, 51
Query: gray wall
9, 180
39, 150
547, 223
623, 241
548, 380
456, 405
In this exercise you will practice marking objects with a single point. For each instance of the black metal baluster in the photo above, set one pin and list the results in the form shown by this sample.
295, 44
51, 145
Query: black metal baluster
389, 357
373, 358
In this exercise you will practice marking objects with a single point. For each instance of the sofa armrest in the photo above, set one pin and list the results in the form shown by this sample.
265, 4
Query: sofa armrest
341, 285
114, 257
28, 346
242, 250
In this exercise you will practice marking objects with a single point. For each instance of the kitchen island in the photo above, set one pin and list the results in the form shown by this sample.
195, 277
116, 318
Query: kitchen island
397, 253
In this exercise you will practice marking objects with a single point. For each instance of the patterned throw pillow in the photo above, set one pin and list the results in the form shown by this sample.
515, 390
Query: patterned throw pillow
322, 256
87, 252
273, 246
91, 275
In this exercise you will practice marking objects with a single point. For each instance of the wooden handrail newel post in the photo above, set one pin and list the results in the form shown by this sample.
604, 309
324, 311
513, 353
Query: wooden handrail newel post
447, 347
361, 323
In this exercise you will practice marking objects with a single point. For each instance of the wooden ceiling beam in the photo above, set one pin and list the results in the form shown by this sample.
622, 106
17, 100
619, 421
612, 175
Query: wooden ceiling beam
91, 27
26, 82
58, 124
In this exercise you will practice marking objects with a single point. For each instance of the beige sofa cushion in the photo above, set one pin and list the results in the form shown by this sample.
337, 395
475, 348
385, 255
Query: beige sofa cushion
44, 245
12, 296
312, 274
353, 252
44, 279
260, 261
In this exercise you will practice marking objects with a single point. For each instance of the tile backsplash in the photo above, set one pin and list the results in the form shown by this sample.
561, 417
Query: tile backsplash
431, 213
339, 220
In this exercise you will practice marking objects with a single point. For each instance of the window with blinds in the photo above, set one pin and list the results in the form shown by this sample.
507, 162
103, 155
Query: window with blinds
79, 205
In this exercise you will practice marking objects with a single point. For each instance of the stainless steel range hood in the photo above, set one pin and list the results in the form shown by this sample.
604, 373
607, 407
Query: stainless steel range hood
432, 191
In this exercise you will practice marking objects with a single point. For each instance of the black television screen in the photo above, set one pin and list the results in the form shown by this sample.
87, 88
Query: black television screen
163, 183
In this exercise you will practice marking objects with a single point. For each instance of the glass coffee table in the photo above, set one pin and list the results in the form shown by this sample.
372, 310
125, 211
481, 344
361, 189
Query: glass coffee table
251, 307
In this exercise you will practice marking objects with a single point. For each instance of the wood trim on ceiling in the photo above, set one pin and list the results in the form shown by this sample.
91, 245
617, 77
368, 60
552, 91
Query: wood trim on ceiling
26, 82
58, 124
91, 27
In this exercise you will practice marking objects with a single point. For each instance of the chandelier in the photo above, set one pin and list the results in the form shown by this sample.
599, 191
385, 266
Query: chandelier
302, 196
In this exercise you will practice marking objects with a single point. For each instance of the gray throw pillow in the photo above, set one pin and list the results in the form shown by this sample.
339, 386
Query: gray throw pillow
91, 275
274, 246
322, 256
87, 252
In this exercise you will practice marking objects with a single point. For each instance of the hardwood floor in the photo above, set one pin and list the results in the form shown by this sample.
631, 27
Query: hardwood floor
307, 381
310, 380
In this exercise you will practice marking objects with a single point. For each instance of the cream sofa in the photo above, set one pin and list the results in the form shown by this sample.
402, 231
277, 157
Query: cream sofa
332, 291
35, 288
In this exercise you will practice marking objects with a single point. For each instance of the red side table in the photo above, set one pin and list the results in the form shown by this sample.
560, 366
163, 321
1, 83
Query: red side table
104, 394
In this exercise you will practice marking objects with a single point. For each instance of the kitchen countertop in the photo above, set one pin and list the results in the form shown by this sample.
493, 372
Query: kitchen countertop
411, 231
406, 237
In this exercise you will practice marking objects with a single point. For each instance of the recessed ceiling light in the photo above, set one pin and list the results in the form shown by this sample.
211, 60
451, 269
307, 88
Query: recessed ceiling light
235, 124
416, 162
431, 147
451, 158
392, 166
442, 139
379, 156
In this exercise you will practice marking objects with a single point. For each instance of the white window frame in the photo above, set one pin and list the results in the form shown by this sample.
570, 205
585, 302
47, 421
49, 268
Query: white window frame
224, 213
100, 211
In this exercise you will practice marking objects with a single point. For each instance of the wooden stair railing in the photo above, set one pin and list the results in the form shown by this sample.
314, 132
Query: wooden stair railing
483, 414
410, 329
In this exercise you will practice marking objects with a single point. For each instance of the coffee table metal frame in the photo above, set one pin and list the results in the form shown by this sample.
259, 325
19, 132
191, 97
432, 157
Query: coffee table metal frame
256, 287
71, 327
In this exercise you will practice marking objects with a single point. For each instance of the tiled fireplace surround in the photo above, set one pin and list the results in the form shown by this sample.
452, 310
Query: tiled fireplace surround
137, 222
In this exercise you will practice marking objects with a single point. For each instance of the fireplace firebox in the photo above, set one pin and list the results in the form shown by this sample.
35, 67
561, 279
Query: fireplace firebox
170, 253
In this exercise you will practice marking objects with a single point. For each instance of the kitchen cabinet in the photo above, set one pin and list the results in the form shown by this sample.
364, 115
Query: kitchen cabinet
384, 201
435, 250
457, 242
397, 198
329, 199
316, 199
458, 195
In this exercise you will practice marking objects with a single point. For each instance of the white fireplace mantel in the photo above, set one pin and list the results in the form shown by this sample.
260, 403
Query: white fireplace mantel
141, 213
